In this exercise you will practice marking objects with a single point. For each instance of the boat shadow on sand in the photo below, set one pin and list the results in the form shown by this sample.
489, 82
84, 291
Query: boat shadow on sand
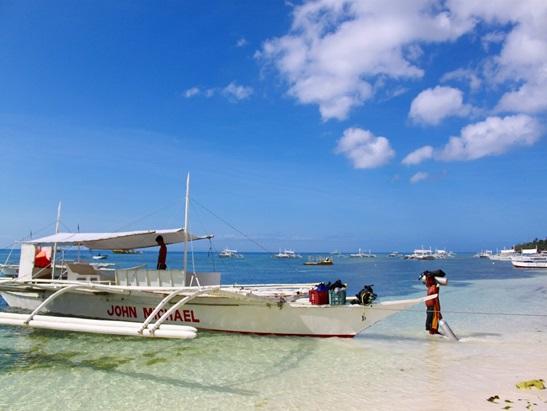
35, 356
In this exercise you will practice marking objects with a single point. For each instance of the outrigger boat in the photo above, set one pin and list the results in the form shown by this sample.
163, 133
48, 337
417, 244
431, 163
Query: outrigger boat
287, 254
169, 303
529, 260
229, 253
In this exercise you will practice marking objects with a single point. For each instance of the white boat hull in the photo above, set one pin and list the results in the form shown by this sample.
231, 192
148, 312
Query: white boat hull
217, 313
529, 264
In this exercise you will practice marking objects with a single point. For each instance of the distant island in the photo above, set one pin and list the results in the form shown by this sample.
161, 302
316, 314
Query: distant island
540, 244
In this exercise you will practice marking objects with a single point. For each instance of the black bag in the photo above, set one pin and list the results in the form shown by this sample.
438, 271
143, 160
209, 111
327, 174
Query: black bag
367, 295
434, 273
336, 284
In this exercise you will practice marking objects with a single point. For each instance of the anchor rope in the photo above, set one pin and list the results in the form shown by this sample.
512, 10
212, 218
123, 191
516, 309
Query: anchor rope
465, 312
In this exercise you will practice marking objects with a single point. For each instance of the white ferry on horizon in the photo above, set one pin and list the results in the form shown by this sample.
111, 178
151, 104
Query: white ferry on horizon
287, 254
230, 253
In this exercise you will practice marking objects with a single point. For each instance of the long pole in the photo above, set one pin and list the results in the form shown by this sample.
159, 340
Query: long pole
57, 226
186, 206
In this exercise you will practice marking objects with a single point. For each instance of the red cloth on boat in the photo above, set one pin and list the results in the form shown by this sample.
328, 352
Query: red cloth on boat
41, 259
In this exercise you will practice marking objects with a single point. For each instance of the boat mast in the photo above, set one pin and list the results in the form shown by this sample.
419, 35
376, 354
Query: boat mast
186, 206
57, 226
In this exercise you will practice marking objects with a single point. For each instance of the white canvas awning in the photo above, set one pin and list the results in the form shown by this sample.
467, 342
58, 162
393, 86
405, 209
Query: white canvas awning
117, 241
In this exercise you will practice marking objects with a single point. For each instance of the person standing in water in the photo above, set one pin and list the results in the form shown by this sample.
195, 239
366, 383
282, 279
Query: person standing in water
162, 256
433, 306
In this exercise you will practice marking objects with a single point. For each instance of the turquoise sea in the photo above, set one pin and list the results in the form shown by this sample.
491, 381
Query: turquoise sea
497, 311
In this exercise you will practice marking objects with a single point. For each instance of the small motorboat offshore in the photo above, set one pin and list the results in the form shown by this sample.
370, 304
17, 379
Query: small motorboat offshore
319, 261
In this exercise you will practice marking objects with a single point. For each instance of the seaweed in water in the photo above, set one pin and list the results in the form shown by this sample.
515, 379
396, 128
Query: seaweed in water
153, 361
105, 363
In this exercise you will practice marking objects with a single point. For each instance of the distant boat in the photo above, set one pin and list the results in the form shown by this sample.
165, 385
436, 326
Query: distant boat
504, 255
484, 254
421, 254
287, 254
394, 254
538, 260
100, 257
360, 254
442, 254
319, 261
228, 253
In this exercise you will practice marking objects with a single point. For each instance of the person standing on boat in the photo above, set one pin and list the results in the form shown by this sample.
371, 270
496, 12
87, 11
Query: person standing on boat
162, 256
433, 306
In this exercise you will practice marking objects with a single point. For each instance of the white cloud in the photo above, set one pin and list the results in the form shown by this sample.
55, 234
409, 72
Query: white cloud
431, 106
241, 42
493, 37
237, 92
418, 156
419, 176
522, 61
191, 92
465, 75
232, 91
531, 97
335, 48
493, 136
364, 149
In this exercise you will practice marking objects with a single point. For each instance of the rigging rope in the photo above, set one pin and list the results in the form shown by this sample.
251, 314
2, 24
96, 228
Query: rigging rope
144, 217
27, 237
231, 226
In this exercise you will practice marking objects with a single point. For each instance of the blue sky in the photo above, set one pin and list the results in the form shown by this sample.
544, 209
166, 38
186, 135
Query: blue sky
314, 125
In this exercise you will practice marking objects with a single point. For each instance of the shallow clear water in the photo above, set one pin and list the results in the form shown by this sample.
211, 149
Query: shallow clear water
393, 365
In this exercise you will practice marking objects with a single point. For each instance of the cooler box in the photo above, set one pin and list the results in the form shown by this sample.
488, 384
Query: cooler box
319, 297
337, 297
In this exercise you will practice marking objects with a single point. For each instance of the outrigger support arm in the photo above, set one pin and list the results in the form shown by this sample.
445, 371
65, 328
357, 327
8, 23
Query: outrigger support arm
170, 311
52, 297
157, 309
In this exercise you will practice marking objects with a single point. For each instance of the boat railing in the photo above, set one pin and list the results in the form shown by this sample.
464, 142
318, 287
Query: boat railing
165, 278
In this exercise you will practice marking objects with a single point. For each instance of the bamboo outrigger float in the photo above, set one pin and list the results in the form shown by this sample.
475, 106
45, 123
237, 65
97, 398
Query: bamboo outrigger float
167, 303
